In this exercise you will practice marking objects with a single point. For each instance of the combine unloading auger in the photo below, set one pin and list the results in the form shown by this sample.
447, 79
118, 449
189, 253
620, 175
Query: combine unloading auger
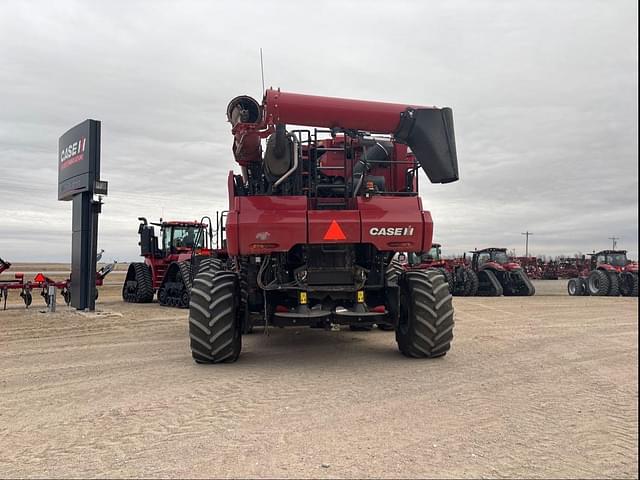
428, 131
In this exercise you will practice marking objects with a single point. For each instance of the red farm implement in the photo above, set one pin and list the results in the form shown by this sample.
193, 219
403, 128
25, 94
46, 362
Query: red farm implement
42, 282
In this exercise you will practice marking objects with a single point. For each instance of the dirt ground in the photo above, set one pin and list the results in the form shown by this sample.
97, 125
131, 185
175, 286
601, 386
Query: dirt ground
533, 387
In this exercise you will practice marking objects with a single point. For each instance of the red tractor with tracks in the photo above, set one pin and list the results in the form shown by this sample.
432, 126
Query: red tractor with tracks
316, 217
499, 275
611, 274
167, 266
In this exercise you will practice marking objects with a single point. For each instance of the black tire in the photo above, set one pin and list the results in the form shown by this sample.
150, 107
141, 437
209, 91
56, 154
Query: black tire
629, 284
245, 314
524, 286
393, 273
492, 286
138, 284
425, 326
574, 287
598, 283
471, 283
449, 277
614, 284
214, 323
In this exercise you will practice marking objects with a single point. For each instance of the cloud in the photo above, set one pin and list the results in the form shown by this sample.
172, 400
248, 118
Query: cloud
544, 97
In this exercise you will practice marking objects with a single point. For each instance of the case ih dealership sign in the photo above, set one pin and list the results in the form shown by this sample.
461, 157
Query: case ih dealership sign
79, 180
79, 160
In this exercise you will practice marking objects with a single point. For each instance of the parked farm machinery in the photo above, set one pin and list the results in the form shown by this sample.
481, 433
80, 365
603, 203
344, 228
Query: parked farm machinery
461, 278
611, 274
499, 275
167, 266
316, 217
42, 282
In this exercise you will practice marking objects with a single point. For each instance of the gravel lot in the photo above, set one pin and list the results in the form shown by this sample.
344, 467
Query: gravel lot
534, 387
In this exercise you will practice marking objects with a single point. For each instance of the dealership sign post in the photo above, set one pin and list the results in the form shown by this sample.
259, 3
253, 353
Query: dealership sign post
79, 180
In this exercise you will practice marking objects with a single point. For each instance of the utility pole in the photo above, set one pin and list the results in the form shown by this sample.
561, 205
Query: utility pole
614, 241
526, 249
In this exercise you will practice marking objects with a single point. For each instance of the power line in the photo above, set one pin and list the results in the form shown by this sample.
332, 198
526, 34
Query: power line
614, 241
527, 233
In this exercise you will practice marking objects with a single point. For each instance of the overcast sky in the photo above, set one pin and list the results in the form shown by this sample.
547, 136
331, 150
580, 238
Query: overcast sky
544, 94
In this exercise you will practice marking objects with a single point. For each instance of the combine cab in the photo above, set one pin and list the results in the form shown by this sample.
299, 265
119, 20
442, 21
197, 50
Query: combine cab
499, 275
611, 274
316, 217
167, 268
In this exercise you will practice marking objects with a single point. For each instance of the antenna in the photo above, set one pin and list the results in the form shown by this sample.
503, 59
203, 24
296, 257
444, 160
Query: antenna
262, 70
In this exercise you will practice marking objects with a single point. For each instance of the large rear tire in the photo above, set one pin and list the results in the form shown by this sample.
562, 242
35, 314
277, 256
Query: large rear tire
425, 326
138, 284
471, 283
598, 283
215, 328
629, 284
574, 287
614, 284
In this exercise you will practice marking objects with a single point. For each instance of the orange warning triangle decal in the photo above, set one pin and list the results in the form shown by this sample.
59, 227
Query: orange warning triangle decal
334, 232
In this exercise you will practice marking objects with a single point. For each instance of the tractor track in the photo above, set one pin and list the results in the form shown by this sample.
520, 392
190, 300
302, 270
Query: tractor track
545, 386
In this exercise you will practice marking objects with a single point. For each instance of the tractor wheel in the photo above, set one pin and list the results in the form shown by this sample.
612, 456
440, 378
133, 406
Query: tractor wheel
491, 285
449, 277
245, 314
138, 284
471, 283
524, 288
66, 294
214, 323
614, 284
425, 327
574, 287
393, 272
629, 284
598, 283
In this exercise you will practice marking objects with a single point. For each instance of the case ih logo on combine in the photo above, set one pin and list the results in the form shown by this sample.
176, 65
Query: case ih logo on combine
391, 231
73, 153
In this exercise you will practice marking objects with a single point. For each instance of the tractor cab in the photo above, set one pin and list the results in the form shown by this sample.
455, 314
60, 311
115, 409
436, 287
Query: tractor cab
183, 236
609, 258
495, 258
433, 255
177, 237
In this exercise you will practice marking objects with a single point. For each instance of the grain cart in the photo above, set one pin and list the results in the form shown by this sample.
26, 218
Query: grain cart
499, 275
167, 268
316, 217
611, 273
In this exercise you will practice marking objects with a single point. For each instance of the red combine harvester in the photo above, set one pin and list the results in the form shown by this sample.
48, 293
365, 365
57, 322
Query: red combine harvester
315, 220
611, 274
42, 282
499, 275
167, 270
461, 278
